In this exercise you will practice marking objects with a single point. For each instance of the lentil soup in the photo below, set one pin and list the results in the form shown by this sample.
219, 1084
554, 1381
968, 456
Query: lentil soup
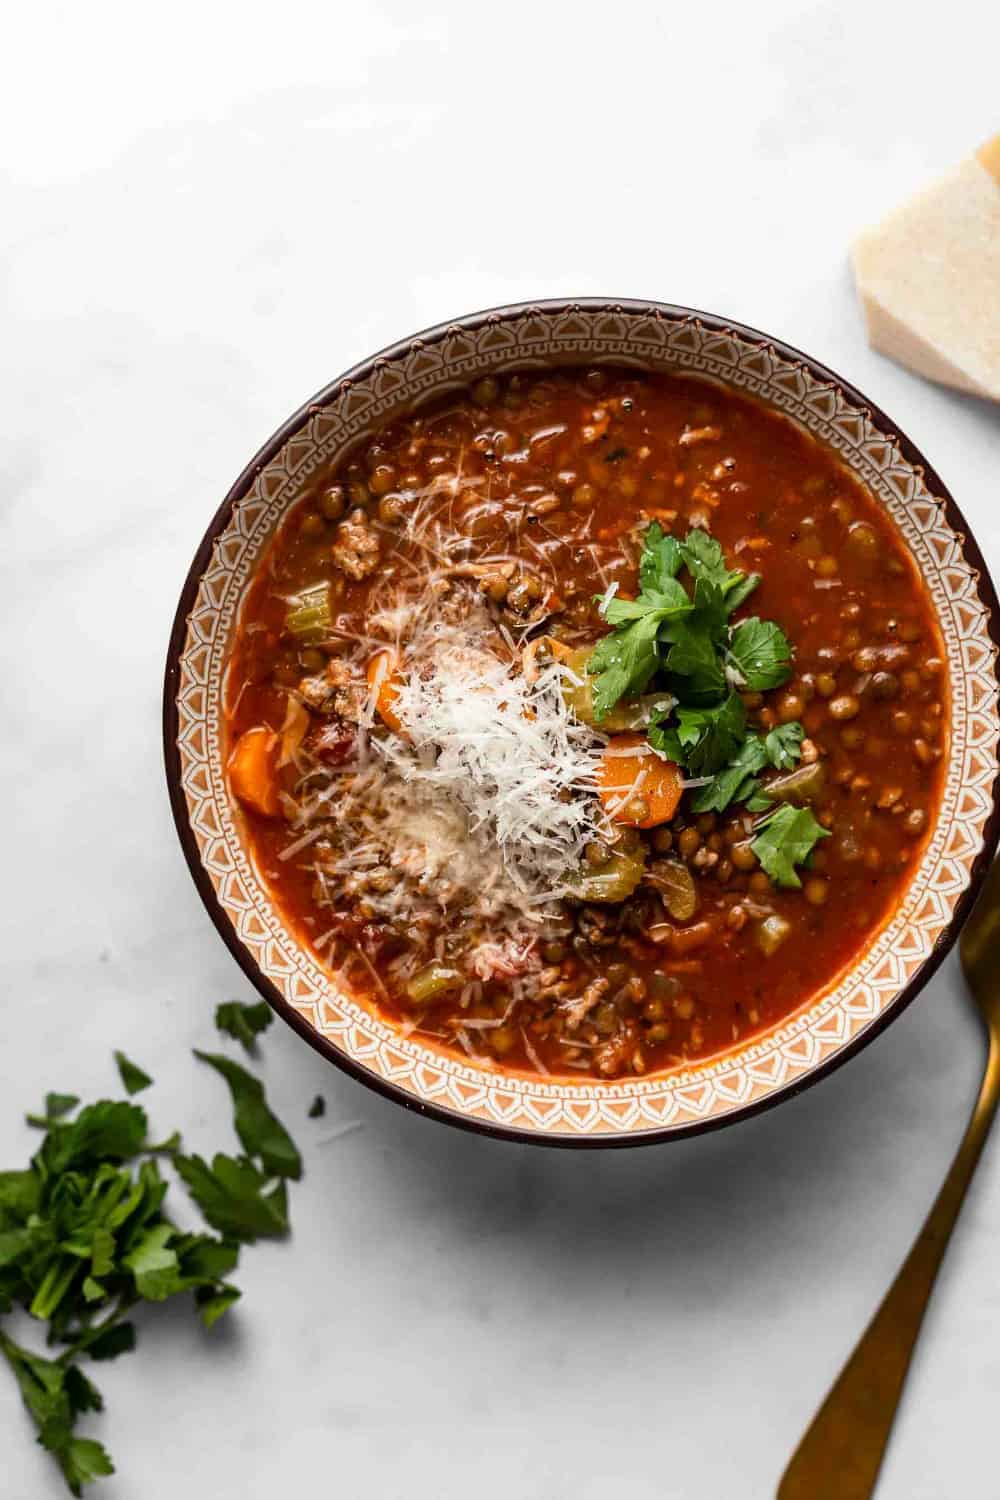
588, 722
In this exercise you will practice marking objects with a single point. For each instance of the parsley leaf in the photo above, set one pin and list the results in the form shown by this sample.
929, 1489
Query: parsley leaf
153, 1264
667, 601
235, 1198
786, 838
704, 560
57, 1105
118, 1339
694, 646
737, 781
83, 1239
212, 1303
55, 1395
703, 739
109, 1131
261, 1133
317, 1107
82, 1461
244, 1023
661, 559
623, 663
783, 744
132, 1076
18, 1197
740, 592
760, 653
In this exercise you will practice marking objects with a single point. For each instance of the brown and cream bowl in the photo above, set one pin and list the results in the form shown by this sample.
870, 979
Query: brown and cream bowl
773, 1060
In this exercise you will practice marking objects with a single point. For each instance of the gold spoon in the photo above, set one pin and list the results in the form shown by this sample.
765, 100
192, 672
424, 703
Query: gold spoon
841, 1453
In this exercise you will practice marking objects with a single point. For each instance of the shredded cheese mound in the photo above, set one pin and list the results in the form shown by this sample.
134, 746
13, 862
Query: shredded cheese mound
508, 755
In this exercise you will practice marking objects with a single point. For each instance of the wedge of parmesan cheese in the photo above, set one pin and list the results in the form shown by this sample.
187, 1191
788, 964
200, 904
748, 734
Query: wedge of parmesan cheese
929, 278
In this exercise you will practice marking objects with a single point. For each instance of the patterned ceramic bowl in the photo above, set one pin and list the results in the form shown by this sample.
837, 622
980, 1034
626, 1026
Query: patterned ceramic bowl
840, 1020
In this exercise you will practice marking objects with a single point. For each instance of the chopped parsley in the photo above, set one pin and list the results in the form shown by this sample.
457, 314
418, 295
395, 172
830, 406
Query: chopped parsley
85, 1239
682, 633
132, 1076
759, 655
686, 635
784, 839
244, 1023
703, 740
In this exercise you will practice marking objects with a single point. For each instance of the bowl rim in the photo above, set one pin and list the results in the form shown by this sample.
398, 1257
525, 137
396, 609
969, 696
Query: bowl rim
672, 312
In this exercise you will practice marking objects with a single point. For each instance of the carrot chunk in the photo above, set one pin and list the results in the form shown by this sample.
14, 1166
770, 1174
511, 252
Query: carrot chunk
252, 767
635, 786
385, 680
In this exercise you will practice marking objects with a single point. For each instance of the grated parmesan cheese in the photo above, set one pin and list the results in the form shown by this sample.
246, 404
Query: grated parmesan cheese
508, 756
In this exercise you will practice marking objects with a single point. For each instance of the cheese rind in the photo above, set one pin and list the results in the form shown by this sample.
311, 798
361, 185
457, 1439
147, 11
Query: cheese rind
929, 278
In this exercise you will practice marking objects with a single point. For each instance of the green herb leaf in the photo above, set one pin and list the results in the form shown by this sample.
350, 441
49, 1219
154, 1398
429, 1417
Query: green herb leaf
234, 1197
661, 559
783, 746
693, 656
741, 591
153, 1264
132, 1076
759, 651
737, 781
667, 602
120, 1338
82, 1461
109, 1131
213, 1302
18, 1197
704, 560
623, 663
317, 1107
57, 1105
703, 740
83, 1238
244, 1023
786, 838
55, 1395
261, 1133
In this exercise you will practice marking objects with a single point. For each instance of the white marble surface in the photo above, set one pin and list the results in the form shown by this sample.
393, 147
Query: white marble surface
205, 215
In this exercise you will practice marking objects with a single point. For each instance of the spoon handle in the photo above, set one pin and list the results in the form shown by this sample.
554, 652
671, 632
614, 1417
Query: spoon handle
840, 1455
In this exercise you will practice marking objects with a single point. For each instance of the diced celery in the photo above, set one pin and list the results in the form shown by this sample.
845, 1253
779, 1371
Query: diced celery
803, 785
308, 615
431, 983
612, 881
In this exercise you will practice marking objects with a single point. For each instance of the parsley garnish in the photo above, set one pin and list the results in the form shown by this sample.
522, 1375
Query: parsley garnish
684, 634
703, 739
244, 1023
785, 838
84, 1239
783, 745
624, 663
738, 781
760, 655
261, 1133
132, 1076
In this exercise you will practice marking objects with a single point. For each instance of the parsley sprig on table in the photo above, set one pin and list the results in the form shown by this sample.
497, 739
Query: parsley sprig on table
685, 636
85, 1239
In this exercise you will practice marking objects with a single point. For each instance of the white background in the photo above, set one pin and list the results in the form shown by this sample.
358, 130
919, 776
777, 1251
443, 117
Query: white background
208, 212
